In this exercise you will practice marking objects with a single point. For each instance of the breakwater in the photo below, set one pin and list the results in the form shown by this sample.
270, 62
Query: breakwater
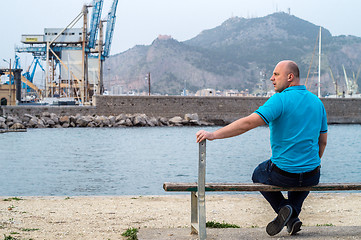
51, 120
217, 110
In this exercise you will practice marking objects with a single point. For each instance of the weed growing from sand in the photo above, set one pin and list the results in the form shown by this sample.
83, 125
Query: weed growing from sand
29, 229
12, 199
131, 233
213, 224
133, 198
13, 238
9, 237
325, 225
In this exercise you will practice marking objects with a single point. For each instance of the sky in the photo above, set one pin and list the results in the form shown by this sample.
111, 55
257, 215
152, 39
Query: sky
139, 22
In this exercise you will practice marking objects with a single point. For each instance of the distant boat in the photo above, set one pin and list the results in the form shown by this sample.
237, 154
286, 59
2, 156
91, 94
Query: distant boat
58, 101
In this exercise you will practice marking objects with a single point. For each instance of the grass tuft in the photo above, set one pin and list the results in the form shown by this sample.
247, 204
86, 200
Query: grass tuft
12, 199
29, 229
131, 233
9, 237
325, 225
213, 224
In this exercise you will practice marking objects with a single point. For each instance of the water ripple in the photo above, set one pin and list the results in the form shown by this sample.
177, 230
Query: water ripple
136, 161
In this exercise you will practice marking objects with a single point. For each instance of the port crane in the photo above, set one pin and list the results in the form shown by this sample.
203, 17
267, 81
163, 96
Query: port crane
351, 84
69, 46
27, 78
96, 23
30, 75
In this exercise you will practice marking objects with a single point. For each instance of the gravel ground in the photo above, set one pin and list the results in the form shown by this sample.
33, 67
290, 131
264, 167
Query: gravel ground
107, 217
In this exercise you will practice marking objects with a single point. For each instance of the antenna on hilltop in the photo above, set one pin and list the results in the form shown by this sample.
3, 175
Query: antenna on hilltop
289, 11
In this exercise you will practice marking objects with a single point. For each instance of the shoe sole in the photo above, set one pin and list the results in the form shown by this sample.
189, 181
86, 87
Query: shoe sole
281, 220
296, 227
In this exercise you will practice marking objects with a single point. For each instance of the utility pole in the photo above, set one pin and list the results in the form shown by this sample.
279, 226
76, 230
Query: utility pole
149, 83
100, 88
84, 87
47, 69
10, 85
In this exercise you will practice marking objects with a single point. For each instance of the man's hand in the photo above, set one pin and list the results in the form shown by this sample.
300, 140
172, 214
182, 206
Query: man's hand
236, 128
204, 135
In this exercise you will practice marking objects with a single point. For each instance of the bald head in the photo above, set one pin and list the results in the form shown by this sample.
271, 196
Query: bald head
292, 68
285, 74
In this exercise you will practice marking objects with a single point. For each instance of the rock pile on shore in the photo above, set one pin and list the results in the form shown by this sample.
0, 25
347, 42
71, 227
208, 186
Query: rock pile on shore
51, 120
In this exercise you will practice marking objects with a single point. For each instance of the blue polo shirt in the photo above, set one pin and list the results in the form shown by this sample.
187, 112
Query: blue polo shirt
296, 117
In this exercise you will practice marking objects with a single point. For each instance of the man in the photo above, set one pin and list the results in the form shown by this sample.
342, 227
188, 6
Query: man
298, 126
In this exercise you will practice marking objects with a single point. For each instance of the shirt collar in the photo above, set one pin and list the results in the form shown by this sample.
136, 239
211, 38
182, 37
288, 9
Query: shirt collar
298, 87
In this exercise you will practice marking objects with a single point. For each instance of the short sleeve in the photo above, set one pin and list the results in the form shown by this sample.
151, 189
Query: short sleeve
271, 110
324, 127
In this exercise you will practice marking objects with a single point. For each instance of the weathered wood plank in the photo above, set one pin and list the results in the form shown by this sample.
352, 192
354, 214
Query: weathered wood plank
251, 187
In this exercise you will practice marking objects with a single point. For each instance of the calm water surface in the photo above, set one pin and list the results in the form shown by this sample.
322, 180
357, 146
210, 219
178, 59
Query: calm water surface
136, 161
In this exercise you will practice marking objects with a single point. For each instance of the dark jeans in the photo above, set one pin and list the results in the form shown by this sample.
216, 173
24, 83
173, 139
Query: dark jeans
264, 174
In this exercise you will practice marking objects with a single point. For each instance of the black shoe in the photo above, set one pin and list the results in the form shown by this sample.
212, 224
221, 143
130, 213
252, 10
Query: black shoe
294, 226
280, 221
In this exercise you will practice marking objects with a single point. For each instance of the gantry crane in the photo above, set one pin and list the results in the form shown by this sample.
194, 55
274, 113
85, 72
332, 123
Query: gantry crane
56, 45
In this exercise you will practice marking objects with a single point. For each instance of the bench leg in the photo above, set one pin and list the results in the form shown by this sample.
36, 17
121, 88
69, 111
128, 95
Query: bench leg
201, 217
194, 213
198, 216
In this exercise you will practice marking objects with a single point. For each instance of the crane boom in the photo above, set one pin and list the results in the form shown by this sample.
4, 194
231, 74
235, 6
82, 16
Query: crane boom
348, 87
110, 28
30, 76
334, 82
94, 24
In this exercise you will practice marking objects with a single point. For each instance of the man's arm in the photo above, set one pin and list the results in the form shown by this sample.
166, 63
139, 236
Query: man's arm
322, 142
236, 128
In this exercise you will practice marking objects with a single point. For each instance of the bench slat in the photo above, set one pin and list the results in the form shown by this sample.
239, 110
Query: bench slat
250, 187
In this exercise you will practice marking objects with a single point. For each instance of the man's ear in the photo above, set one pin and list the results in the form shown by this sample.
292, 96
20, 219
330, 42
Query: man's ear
290, 76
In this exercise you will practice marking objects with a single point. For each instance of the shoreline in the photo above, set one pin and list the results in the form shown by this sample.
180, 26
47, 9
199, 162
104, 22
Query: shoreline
107, 217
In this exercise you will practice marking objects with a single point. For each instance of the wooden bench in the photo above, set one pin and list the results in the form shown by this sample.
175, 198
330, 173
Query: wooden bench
198, 210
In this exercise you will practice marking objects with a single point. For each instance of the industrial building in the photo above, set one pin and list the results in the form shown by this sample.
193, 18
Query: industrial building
10, 93
72, 58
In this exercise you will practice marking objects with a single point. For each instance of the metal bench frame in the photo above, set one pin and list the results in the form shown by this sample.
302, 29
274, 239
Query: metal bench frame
198, 201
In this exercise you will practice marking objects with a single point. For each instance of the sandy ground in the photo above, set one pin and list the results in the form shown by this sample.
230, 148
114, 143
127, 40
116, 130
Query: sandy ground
108, 217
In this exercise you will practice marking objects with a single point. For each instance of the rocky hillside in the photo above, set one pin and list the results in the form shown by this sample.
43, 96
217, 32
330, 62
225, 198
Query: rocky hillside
235, 55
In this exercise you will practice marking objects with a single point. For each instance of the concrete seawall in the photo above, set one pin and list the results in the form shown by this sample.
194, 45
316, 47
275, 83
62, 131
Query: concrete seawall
213, 109
219, 110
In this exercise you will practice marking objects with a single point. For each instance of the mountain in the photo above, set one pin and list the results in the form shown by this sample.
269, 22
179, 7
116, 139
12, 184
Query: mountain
238, 54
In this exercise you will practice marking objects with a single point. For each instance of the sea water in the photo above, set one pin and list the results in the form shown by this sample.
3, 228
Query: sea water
136, 161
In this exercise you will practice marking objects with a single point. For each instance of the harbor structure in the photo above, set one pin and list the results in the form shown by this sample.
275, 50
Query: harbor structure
73, 56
